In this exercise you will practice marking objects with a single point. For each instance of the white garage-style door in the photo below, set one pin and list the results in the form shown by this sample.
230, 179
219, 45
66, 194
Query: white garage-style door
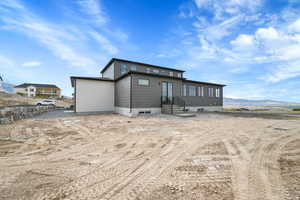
94, 96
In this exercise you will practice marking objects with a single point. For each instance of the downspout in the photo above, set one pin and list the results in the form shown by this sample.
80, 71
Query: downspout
75, 82
130, 104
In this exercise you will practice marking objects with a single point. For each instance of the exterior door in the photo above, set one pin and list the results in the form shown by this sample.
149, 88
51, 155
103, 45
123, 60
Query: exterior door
167, 92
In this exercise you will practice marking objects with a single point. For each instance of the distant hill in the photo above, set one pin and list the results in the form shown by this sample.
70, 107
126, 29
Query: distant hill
230, 102
7, 87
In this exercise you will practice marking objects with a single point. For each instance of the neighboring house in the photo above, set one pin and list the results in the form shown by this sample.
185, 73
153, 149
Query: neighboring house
130, 88
41, 90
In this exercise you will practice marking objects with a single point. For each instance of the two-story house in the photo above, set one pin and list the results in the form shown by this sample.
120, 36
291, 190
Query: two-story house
40, 90
130, 88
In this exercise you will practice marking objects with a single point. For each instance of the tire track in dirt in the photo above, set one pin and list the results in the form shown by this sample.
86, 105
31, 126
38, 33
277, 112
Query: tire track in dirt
239, 161
156, 170
264, 176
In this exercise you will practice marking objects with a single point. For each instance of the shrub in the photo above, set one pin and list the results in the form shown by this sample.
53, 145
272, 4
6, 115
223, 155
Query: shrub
296, 109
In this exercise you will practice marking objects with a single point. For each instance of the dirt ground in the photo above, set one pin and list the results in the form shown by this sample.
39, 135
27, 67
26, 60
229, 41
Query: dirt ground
211, 157
14, 99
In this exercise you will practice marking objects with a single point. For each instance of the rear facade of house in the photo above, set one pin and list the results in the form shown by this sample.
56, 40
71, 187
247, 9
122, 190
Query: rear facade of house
130, 88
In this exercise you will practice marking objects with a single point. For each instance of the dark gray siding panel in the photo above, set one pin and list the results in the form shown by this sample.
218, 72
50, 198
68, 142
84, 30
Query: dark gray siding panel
203, 100
150, 96
142, 68
122, 92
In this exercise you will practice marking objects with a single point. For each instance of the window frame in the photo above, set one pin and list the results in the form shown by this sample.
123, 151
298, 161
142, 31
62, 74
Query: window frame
190, 89
123, 67
218, 92
144, 85
133, 68
156, 71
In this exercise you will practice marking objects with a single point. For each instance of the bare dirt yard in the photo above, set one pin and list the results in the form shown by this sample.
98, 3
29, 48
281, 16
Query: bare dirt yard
211, 157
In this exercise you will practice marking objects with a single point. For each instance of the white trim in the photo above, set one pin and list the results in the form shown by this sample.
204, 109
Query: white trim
136, 111
205, 108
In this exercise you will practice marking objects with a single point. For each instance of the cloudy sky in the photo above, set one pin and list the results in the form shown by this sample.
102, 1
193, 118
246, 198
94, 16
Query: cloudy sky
253, 46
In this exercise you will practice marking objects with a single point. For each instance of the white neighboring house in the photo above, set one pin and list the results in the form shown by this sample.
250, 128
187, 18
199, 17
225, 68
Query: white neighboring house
42, 90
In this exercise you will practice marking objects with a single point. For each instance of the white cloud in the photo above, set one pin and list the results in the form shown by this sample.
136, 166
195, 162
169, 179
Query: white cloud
31, 64
269, 33
69, 43
283, 72
295, 27
5, 62
105, 43
243, 40
94, 10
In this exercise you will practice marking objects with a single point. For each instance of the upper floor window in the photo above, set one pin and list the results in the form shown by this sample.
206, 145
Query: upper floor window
184, 90
155, 71
218, 92
143, 82
171, 73
210, 92
123, 68
148, 70
192, 90
201, 91
179, 75
133, 68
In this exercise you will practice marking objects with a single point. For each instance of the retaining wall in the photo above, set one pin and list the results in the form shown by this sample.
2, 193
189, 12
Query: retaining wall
12, 113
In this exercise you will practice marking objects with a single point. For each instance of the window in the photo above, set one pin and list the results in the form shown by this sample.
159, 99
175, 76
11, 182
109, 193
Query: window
31, 90
192, 91
200, 91
179, 75
218, 92
210, 92
123, 68
184, 90
148, 70
156, 71
133, 68
171, 73
143, 82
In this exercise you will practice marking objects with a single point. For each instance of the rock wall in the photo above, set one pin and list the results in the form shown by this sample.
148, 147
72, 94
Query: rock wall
12, 113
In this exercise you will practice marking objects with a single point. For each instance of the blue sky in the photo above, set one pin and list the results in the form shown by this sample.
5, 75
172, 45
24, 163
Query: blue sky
253, 46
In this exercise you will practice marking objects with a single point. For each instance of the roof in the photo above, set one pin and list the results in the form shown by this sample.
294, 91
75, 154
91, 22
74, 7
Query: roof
165, 76
206, 83
138, 63
89, 78
149, 74
37, 85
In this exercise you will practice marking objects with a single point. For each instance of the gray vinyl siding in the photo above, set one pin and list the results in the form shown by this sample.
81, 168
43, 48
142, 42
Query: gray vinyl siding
150, 96
142, 68
122, 92
203, 100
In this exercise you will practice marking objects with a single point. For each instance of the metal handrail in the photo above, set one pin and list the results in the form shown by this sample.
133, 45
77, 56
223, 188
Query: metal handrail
173, 101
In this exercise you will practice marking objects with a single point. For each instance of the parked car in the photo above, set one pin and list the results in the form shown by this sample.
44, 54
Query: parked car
46, 102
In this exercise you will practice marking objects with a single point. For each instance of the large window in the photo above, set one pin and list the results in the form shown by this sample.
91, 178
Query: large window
171, 73
218, 92
155, 71
123, 68
200, 91
148, 70
210, 92
179, 75
192, 90
143, 82
133, 68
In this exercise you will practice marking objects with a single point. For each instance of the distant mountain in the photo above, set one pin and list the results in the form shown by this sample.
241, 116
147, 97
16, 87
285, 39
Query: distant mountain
230, 102
6, 87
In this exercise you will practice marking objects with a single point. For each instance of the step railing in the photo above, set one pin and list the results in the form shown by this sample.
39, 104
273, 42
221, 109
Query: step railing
173, 101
